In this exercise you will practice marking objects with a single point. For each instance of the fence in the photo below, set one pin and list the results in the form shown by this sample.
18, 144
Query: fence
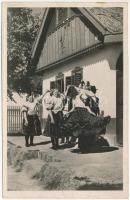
15, 119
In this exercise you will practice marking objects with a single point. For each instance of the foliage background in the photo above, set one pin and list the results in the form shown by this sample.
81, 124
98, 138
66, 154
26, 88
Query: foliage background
22, 28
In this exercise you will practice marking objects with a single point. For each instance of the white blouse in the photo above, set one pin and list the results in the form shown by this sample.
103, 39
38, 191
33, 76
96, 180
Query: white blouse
30, 107
78, 102
57, 104
47, 100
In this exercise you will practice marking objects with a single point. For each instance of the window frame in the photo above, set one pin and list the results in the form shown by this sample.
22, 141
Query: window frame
73, 75
60, 77
51, 82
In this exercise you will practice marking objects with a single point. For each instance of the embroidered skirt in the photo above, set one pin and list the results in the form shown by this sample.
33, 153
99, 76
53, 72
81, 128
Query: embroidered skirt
81, 121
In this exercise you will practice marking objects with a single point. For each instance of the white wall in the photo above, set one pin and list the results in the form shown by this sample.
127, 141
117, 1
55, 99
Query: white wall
98, 68
104, 78
46, 81
46, 85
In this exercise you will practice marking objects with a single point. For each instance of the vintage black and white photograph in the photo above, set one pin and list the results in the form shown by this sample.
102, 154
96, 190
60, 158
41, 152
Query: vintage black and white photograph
65, 102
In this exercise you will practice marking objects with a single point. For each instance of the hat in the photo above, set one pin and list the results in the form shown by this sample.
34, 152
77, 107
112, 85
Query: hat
93, 89
88, 83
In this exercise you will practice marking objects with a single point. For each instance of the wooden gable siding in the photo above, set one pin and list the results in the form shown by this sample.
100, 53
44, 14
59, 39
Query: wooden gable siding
67, 39
54, 21
52, 24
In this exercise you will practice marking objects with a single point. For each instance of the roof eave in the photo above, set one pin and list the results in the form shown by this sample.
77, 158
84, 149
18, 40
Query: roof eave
89, 20
73, 56
36, 42
105, 35
110, 38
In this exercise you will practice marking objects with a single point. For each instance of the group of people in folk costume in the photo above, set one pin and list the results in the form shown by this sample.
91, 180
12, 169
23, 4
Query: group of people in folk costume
74, 114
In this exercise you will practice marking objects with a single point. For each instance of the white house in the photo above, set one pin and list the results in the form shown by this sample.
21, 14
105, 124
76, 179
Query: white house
84, 43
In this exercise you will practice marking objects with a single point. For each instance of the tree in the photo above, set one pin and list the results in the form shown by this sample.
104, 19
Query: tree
23, 26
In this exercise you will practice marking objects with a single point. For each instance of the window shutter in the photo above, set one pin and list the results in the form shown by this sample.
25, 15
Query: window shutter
68, 80
77, 75
60, 82
78, 78
62, 85
73, 79
52, 85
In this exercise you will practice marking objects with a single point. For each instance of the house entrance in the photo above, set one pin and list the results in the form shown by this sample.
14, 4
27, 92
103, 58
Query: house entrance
119, 100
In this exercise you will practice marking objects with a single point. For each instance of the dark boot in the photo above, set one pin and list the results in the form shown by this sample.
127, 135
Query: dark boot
53, 142
31, 140
67, 140
73, 139
62, 140
26, 140
57, 143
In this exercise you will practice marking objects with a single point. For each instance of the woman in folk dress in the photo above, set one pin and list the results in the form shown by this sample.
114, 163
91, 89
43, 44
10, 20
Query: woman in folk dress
31, 122
47, 114
57, 113
55, 118
81, 120
94, 101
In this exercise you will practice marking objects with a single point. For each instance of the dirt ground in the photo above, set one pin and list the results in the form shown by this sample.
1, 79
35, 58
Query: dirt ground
97, 170
19, 181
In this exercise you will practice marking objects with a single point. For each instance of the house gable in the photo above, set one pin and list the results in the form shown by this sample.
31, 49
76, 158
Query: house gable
61, 39
66, 33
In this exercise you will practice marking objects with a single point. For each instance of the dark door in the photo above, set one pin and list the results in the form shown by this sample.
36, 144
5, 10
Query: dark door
119, 101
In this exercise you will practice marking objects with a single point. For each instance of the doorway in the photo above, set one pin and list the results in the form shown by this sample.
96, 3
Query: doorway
119, 100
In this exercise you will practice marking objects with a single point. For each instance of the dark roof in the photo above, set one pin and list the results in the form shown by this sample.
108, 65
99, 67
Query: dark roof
111, 18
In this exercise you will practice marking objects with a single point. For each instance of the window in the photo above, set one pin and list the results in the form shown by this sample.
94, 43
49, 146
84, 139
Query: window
52, 85
68, 81
77, 76
60, 82
60, 85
